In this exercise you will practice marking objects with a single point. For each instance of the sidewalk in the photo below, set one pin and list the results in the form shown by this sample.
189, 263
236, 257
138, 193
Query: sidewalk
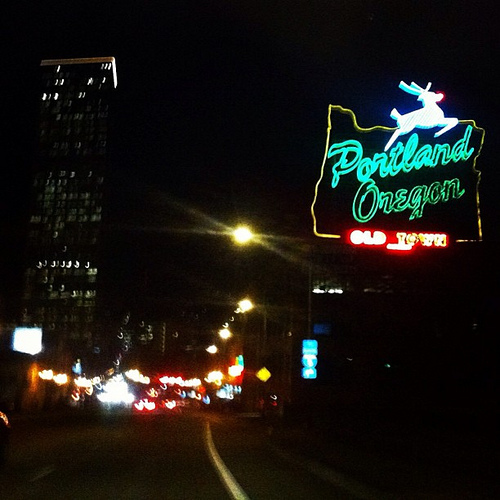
407, 460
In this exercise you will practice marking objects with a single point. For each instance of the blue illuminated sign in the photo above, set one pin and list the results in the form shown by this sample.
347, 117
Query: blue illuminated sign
309, 358
309, 373
310, 346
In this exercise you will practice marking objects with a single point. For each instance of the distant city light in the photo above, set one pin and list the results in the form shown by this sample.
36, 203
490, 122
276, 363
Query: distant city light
326, 289
235, 370
170, 404
83, 382
194, 382
46, 374
116, 392
57, 378
137, 376
214, 377
60, 379
145, 404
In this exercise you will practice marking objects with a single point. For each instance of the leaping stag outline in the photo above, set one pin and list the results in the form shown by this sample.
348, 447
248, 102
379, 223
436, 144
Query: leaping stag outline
430, 116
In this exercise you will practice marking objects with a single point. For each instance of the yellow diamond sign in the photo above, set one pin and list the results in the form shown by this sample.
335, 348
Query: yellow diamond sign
263, 374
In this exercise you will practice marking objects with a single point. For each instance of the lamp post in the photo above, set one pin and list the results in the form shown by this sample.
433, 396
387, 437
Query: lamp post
267, 345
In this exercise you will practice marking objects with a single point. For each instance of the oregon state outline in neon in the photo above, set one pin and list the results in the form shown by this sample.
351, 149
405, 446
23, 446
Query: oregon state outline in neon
347, 159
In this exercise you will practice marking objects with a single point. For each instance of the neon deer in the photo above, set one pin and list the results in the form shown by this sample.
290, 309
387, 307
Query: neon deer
430, 116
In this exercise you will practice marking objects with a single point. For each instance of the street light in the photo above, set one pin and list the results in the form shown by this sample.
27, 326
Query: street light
259, 348
242, 235
244, 306
225, 333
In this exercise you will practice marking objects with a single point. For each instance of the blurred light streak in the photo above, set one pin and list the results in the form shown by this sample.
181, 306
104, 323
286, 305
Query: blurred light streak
60, 378
152, 392
214, 377
46, 374
193, 382
145, 404
137, 376
116, 392
235, 370
170, 404
83, 382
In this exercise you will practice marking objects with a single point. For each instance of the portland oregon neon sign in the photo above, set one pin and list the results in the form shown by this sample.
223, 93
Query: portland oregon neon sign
420, 175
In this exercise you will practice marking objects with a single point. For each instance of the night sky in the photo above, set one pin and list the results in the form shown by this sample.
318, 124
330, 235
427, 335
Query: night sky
222, 105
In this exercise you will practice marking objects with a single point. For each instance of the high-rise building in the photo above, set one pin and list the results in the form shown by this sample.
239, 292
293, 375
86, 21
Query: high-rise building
62, 257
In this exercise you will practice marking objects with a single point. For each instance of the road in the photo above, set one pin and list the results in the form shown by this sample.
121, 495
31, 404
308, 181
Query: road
99, 455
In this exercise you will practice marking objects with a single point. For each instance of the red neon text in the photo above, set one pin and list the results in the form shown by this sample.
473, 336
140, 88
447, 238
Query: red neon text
397, 240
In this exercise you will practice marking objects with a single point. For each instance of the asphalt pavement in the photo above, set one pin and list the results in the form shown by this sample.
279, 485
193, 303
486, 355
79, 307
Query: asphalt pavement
376, 454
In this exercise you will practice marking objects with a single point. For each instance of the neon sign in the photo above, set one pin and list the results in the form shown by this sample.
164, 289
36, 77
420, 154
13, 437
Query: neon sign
397, 240
422, 177
430, 116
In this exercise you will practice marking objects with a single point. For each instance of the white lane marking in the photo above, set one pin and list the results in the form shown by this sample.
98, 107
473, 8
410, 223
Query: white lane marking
235, 491
45, 471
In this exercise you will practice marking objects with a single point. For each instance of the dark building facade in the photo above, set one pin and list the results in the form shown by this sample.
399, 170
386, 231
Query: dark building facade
62, 252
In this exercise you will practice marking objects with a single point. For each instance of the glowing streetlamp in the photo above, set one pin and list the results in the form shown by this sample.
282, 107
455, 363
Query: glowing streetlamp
244, 306
242, 235
225, 333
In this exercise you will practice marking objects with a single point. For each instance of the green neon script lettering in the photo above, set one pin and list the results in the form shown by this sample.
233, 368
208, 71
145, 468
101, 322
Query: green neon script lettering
369, 199
350, 153
348, 156
366, 201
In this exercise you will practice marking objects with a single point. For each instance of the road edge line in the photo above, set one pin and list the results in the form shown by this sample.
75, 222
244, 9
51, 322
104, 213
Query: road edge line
232, 486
